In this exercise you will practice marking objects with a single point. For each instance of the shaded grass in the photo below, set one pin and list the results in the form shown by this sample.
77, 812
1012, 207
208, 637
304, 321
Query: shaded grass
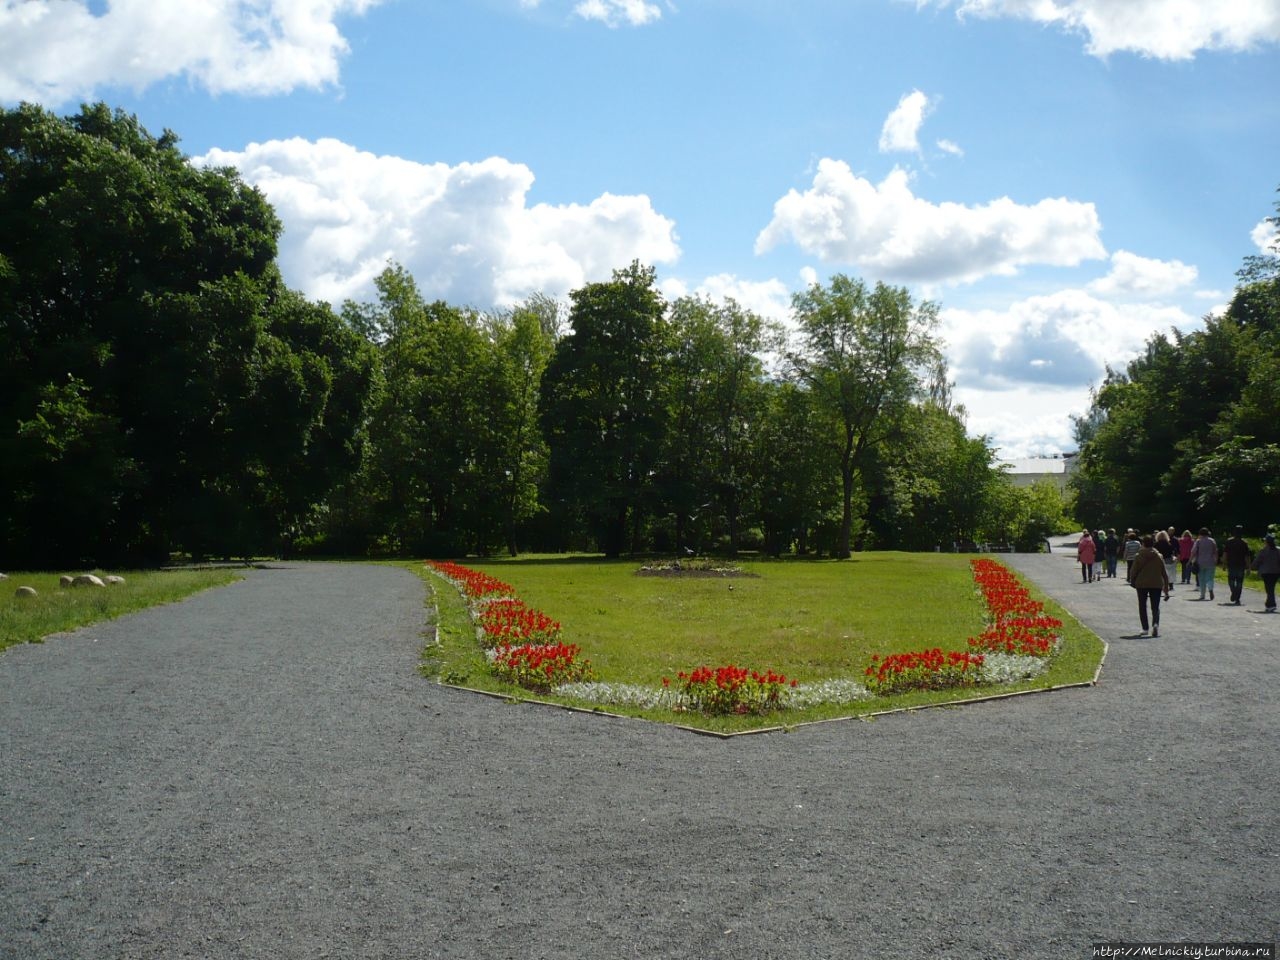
58, 609
810, 620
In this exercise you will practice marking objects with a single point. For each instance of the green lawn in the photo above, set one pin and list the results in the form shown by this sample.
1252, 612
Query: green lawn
810, 620
58, 609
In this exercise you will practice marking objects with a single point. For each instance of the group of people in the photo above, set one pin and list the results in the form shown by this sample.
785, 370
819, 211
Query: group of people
1151, 565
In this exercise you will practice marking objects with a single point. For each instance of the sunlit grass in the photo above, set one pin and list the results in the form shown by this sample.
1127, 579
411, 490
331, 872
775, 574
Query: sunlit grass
57, 609
811, 620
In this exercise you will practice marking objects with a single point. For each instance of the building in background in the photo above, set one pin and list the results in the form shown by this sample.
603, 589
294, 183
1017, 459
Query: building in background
1024, 472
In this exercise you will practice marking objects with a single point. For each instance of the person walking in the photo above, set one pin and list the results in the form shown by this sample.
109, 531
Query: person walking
1185, 543
1111, 550
1099, 546
1086, 551
1168, 552
1131, 548
1150, 577
1267, 566
1237, 555
1204, 557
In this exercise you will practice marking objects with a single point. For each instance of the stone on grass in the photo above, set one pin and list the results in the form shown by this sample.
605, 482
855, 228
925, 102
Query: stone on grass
112, 580
26, 592
64, 581
87, 580
4, 576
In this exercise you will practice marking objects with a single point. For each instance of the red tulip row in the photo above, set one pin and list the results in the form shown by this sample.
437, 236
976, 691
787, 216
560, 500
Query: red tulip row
540, 666
924, 670
473, 583
1018, 624
526, 643
509, 621
730, 689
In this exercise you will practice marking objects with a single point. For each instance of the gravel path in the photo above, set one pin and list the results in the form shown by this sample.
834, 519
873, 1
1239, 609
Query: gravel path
259, 771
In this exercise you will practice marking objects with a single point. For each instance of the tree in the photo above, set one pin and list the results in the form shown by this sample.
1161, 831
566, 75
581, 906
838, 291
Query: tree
714, 390
861, 354
151, 360
795, 469
603, 415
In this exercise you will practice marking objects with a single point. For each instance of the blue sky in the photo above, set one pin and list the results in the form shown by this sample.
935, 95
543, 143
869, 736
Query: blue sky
1064, 177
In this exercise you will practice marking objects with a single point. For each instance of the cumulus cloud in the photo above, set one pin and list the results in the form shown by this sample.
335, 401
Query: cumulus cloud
1062, 339
901, 129
948, 146
1165, 29
1266, 236
613, 13
55, 51
1135, 276
885, 229
1024, 421
465, 232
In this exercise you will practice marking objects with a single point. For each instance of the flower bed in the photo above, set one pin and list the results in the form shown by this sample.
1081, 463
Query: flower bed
540, 666
731, 689
509, 621
524, 648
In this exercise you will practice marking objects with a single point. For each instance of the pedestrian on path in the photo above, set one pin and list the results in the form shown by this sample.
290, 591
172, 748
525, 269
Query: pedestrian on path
1111, 550
1086, 551
1204, 558
1150, 577
1168, 553
1131, 547
1237, 555
1267, 566
1185, 543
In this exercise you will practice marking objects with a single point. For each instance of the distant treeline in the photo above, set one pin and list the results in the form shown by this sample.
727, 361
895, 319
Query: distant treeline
162, 390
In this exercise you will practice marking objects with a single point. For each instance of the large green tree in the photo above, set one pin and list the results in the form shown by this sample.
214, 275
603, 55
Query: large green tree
159, 386
603, 414
863, 354
715, 395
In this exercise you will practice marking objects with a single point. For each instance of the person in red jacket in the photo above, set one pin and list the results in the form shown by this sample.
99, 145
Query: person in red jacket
1086, 553
1185, 542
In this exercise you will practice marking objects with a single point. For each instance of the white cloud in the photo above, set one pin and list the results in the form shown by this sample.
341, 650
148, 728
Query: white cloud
465, 232
1132, 275
1027, 420
902, 127
1166, 29
948, 146
1266, 236
885, 229
769, 298
55, 51
1062, 339
612, 13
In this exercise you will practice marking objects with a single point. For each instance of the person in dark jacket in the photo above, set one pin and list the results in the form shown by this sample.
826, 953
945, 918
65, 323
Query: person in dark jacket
1148, 574
1111, 550
1267, 565
1236, 554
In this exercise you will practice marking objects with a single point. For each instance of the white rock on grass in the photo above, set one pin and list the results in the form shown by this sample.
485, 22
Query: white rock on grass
113, 580
87, 580
26, 592
64, 581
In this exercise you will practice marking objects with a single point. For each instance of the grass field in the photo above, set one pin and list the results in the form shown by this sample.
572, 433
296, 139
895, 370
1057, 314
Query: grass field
811, 620
58, 609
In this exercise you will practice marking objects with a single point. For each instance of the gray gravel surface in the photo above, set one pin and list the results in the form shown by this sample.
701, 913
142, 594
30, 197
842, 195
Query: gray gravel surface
259, 771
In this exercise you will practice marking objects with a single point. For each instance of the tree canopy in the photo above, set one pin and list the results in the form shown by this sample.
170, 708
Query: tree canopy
159, 386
